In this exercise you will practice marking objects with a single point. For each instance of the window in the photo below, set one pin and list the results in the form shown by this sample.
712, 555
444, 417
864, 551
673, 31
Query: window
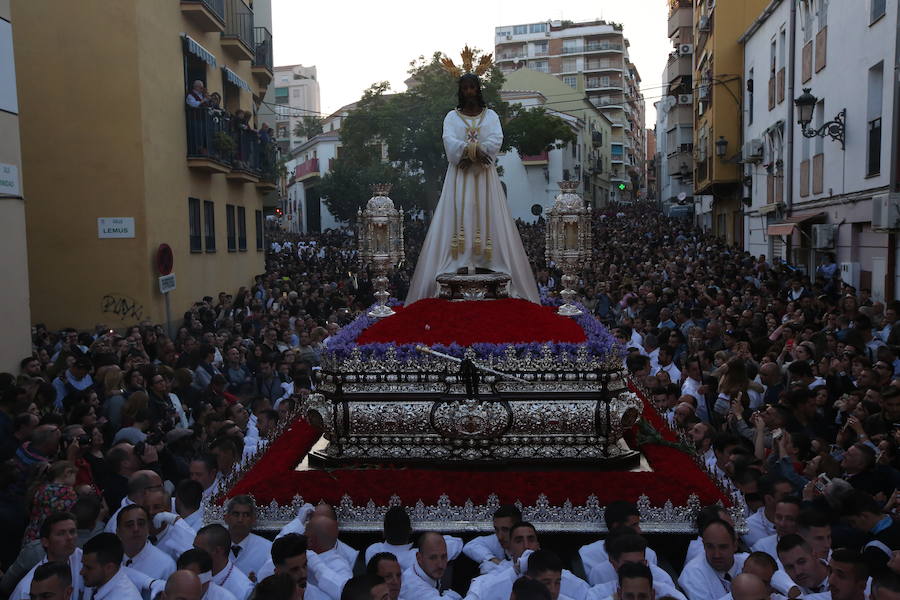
242, 228
520, 29
540, 48
750, 97
194, 225
229, 226
569, 65
295, 92
878, 8
873, 118
537, 28
259, 229
570, 80
209, 225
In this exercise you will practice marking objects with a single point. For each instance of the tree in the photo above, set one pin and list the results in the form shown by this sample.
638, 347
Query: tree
533, 131
408, 126
308, 126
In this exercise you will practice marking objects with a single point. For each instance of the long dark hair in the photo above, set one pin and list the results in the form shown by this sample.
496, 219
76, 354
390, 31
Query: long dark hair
459, 96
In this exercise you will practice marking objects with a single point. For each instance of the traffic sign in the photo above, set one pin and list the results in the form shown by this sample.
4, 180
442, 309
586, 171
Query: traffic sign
165, 259
167, 283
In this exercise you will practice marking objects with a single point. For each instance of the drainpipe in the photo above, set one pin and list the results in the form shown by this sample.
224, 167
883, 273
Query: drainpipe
889, 287
792, 57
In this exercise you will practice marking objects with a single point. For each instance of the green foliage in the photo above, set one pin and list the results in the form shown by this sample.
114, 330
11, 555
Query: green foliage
308, 127
533, 131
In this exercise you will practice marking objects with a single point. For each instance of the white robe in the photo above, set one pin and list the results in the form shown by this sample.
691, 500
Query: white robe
472, 226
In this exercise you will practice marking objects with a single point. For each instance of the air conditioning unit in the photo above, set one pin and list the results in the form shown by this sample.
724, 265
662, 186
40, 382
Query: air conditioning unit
508, 36
703, 91
753, 150
850, 273
685, 49
685, 98
823, 236
703, 24
886, 212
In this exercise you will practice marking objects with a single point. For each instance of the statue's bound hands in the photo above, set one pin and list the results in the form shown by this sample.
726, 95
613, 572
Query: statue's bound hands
464, 163
483, 157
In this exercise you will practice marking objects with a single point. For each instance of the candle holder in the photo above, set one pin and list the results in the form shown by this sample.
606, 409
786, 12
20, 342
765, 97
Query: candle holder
569, 240
380, 238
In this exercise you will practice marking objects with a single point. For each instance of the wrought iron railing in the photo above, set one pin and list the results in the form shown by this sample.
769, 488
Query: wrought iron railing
239, 22
262, 48
217, 7
209, 134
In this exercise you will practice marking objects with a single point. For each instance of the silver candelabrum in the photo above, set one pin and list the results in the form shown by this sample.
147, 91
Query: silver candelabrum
380, 238
569, 240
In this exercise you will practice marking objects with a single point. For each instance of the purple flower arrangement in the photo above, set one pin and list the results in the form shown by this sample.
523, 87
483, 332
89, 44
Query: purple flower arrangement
599, 343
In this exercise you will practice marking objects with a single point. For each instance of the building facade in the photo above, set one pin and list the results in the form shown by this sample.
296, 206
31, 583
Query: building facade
15, 315
826, 187
596, 52
718, 112
531, 181
119, 164
296, 96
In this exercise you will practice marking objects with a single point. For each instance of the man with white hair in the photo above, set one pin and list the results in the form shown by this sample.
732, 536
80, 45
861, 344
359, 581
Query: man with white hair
197, 97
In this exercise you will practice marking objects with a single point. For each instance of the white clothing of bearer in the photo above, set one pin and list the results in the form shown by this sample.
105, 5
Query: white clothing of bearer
472, 226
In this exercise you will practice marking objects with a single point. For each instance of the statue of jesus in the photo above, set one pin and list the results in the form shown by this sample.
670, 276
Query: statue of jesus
472, 227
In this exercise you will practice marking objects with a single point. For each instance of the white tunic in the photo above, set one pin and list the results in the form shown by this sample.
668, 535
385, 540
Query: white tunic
151, 561
232, 579
255, 551
758, 527
217, 592
417, 585
328, 571
701, 582
119, 587
472, 226
23, 589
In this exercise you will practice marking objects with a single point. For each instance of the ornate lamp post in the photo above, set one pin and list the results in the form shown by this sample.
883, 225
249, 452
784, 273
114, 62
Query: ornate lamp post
569, 240
806, 105
380, 238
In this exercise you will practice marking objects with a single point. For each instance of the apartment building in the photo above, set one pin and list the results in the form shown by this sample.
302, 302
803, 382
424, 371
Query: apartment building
120, 168
596, 53
296, 96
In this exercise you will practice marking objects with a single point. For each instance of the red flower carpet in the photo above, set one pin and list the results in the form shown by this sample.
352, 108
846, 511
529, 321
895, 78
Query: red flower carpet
511, 320
675, 476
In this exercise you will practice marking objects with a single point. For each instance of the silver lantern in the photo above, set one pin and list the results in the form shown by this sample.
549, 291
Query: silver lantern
569, 240
380, 237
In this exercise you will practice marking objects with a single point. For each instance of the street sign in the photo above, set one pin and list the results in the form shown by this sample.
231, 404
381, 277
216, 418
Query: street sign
167, 283
9, 180
115, 227
165, 259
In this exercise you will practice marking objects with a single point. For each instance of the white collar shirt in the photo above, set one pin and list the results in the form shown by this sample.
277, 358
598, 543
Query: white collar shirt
484, 548
608, 590
151, 561
417, 585
232, 579
701, 582
119, 587
255, 551
217, 592
672, 370
604, 573
406, 554
348, 552
195, 519
758, 527
595, 554
769, 545
176, 538
328, 571
23, 588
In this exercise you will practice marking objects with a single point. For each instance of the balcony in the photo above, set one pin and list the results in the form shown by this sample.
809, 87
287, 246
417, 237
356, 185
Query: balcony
603, 47
209, 143
594, 85
207, 15
268, 167
262, 57
245, 160
237, 39
530, 160
306, 170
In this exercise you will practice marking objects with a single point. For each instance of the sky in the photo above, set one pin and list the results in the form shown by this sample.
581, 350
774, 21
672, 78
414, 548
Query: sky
355, 43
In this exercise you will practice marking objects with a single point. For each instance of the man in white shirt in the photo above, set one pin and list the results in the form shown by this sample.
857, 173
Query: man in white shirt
665, 364
490, 550
199, 562
182, 585
709, 577
635, 583
51, 581
385, 565
328, 569
138, 484
172, 534
139, 554
248, 550
804, 569
214, 539
58, 536
189, 503
625, 547
289, 555
761, 523
397, 531
617, 514
102, 571
205, 470
787, 512
747, 586
423, 581
692, 384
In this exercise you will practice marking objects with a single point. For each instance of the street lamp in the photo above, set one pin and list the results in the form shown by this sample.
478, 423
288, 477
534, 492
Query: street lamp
721, 146
806, 105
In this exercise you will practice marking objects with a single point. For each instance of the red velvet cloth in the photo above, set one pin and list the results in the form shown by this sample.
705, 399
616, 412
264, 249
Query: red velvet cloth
430, 321
675, 476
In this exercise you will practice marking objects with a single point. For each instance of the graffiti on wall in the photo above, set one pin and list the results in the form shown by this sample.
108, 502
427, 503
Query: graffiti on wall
122, 307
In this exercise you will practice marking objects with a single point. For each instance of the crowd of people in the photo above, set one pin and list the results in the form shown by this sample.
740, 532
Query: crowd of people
786, 386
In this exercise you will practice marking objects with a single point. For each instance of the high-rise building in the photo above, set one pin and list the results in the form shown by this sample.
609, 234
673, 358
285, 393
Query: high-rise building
718, 83
15, 318
594, 53
296, 97
119, 164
